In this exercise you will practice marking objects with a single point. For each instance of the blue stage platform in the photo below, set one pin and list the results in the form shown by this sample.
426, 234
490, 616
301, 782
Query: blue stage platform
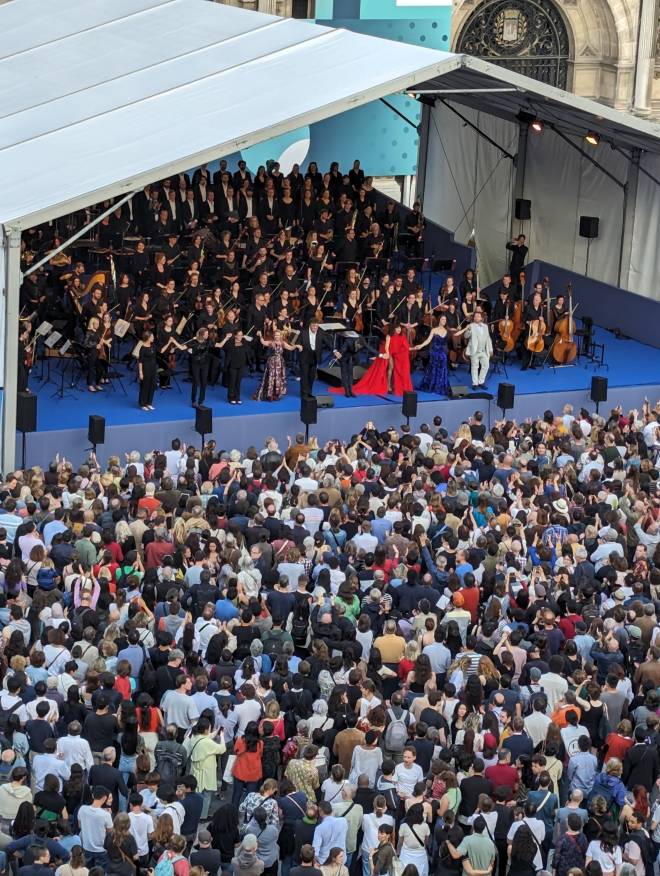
633, 372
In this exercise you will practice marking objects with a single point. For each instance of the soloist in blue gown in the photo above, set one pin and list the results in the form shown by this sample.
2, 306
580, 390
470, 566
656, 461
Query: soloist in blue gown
436, 376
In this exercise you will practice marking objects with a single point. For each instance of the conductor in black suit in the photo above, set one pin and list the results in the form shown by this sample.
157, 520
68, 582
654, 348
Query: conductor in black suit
311, 341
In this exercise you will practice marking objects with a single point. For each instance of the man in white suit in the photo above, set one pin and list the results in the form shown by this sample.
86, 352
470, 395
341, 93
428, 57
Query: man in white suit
479, 349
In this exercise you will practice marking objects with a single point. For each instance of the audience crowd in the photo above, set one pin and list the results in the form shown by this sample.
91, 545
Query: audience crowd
407, 653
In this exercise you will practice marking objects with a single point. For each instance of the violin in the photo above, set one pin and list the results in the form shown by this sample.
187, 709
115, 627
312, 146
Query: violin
564, 348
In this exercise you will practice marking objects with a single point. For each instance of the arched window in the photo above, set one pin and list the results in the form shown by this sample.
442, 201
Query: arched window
526, 36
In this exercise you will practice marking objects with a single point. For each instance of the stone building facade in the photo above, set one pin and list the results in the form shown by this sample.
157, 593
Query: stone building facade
603, 49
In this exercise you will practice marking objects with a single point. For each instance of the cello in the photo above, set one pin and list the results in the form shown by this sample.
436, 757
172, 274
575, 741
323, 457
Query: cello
564, 348
518, 310
506, 329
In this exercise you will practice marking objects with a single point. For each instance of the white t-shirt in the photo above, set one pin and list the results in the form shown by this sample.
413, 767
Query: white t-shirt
407, 778
141, 826
608, 861
538, 829
370, 825
94, 823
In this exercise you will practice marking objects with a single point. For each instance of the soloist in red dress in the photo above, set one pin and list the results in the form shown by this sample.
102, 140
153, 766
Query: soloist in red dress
374, 382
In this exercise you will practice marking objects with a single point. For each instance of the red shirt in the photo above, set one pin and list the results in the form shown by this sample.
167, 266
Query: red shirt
471, 598
154, 553
247, 766
503, 775
567, 625
617, 746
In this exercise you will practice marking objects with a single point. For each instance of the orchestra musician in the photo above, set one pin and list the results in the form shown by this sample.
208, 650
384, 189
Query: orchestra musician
535, 327
92, 346
147, 372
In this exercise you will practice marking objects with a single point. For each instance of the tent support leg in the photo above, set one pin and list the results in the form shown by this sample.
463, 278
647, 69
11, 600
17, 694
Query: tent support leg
628, 218
12, 291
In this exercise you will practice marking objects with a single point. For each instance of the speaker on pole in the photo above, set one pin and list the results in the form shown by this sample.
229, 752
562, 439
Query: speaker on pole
598, 390
309, 410
26, 412
203, 421
523, 209
409, 405
589, 227
506, 394
96, 430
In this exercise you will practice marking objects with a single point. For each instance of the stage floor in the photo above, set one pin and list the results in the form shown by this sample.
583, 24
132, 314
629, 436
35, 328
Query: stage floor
630, 364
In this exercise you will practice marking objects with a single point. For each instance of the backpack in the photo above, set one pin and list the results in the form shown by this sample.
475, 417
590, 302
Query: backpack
300, 625
396, 734
147, 678
46, 579
5, 714
601, 790
166, 862
272, 645
169, 763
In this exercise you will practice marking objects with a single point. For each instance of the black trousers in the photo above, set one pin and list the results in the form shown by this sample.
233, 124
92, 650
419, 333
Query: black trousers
93, 367
234, 384
148, 386
307, 377
200, 373
346, 368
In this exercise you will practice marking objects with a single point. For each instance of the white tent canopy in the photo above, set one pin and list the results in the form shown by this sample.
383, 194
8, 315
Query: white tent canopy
101, 98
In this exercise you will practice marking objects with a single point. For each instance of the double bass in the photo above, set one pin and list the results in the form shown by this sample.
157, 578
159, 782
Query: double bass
564, 348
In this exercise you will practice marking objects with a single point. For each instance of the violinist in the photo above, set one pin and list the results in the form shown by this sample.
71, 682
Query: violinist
351, 307
172, 250
345, 219
229, 271
374, 242
309, 307
287, 269
125, 292
105, 346
166, 344
142, 318
535, 325
235, 298
290, 283
327, 299
164, 305
318, 264
324, 226
24, 361
262, 286
92, 345
160, 273
456, 342
194, 253
385, 307
424, 307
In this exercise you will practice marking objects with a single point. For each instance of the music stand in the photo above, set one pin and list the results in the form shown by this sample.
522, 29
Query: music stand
443, 266
416, 263
61, 392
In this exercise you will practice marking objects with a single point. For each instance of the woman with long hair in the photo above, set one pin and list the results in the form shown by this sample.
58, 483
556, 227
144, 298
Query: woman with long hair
247, 770
163, 833
75, 866
223, 828
606, 851
523, 851
413, 839
335, 864
150, 721
390, 370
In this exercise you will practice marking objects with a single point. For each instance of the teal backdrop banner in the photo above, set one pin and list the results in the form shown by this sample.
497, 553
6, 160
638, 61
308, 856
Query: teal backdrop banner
385, 143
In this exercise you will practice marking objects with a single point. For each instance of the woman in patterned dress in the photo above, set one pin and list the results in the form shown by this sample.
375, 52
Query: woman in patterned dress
273, 383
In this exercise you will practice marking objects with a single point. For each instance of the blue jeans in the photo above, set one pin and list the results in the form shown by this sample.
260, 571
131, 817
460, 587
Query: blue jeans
126, 768
96, 859
239, 788
366, 864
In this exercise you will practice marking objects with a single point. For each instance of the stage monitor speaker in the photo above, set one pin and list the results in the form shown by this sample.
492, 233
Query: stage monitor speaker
506, 393
96, 430
308, 410
325, 401
409, 406
26, 412
203, 420
523, 208
599, 389
332, 376
589, 226
458, 390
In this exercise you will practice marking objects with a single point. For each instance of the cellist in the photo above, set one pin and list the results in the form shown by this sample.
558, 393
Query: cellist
535, 325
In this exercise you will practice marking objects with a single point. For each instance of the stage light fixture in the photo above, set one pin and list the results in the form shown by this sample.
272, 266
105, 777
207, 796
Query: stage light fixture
592, 138
537, 126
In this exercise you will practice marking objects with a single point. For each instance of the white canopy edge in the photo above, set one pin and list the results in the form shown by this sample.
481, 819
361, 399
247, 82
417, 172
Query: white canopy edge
126, 93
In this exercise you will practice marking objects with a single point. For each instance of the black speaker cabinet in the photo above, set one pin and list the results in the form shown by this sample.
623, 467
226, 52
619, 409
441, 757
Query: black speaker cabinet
409, 406
523, 208
589, 226
506, 393
26, 412
96, 430
599, 389
203, 420
308, 410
